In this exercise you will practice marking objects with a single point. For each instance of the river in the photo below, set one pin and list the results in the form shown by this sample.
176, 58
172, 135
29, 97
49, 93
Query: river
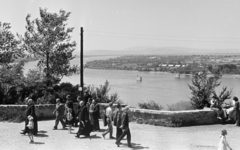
161, 87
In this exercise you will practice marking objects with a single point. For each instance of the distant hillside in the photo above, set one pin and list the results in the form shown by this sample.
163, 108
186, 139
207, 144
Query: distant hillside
162, 51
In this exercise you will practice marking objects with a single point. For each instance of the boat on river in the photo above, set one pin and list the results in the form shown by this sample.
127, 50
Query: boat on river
139, 78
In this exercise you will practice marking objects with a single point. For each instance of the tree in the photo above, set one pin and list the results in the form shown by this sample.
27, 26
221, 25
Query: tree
48, 39
11, 74
223, 95
203, 85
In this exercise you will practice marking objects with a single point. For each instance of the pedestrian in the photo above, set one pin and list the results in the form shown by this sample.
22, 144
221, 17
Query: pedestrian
91, 109
30, 128
117, 121
109, 116
30, 111
223, 144
84, 126
125, 127
69, 105
70, 119
237, 112
59, 112
96, 115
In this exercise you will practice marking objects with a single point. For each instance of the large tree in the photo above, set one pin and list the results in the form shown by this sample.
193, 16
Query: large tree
11, 74
48, 39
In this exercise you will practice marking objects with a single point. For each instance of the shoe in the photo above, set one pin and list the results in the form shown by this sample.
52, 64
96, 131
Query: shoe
31, 142
54, 128
219, 118
235, 125
129, 145
112, 137
77, 136
23, 133
103, 136
117, 143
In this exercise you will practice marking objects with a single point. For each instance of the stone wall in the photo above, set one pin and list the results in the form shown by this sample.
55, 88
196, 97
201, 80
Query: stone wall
174, 118
154, 117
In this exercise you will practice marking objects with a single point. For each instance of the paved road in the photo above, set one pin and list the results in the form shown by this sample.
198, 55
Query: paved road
143, 137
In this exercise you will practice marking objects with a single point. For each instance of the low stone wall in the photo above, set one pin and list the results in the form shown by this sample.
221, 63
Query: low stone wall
174, 118
154, 117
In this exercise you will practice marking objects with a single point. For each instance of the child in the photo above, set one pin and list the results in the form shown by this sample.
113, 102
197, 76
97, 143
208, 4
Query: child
223, 144
30, 128
70, 119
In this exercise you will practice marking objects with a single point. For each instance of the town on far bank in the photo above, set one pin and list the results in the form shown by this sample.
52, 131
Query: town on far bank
185, 64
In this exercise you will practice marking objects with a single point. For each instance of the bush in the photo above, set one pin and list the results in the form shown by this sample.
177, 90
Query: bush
182, 105
150, 105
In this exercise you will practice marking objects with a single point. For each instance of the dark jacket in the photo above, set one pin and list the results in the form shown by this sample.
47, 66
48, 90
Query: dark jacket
31, 111
96, 113
117, 121
59, 110
125, 120
83, 115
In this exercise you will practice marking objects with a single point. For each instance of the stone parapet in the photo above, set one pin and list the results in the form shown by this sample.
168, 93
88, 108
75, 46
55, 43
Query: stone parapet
174, 118
145, 116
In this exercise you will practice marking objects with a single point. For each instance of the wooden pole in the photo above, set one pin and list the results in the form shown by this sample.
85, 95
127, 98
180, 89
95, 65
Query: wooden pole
81, 62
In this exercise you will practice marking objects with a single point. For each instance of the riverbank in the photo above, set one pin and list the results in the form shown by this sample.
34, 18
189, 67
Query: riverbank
143, 137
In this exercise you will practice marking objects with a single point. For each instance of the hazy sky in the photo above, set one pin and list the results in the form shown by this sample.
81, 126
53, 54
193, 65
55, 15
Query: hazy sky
120, 24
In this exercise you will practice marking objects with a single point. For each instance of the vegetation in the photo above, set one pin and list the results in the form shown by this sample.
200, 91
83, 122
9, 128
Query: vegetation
48, 39
150, 105
203, 88
182, 105
101, 94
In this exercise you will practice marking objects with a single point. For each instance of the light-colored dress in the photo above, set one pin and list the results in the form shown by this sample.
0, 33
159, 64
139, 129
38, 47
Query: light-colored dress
223, 144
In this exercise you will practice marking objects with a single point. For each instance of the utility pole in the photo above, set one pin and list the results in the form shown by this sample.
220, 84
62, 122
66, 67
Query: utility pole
81, 62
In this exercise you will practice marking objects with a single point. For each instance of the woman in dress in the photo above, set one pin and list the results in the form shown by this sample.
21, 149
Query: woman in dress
223, 144
30, 111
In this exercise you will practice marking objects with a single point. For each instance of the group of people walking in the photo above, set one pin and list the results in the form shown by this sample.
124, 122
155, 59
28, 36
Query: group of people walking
85, 117
120, 119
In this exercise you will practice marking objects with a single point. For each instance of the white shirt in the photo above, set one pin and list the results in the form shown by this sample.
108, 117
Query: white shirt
109, 112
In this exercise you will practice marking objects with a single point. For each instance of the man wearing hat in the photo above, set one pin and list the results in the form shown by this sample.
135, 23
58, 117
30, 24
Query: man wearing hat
59, 111
109, 121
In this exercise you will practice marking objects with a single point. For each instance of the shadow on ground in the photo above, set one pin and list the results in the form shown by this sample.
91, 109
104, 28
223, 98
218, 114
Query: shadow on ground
38, 143
42, 134
134, 146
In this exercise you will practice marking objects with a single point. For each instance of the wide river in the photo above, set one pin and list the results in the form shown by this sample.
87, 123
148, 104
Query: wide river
161, 87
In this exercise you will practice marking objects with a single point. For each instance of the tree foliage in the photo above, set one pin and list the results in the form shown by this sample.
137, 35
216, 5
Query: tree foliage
11, 74
203, 85
101, 94
49, 39
222, 96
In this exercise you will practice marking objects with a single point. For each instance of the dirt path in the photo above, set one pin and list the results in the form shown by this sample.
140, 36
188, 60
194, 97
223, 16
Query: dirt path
143, 137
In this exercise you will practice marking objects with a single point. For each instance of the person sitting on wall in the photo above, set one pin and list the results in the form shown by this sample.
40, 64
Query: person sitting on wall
221, 114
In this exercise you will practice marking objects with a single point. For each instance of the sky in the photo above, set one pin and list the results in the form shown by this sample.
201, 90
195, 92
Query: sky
123, 24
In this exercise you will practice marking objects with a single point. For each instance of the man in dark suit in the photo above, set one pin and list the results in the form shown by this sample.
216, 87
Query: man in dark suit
125, 127
117, 121
59, 111
96, 115
83, 116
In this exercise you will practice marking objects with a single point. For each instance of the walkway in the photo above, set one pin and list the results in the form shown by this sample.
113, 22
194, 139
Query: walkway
143, 137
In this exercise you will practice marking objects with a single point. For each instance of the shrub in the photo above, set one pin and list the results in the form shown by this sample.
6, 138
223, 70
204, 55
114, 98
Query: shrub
182, 105
150, 105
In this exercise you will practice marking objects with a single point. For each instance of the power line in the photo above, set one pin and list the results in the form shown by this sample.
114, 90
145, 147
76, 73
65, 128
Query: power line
167, 36
160, 39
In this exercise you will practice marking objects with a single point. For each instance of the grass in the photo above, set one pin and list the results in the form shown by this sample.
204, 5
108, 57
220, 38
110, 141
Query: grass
182, 105
150, 105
